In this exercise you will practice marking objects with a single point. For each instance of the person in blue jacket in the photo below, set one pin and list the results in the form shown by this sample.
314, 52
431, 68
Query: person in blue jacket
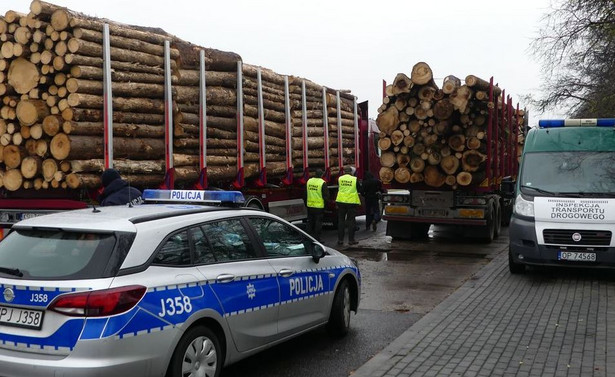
117, 191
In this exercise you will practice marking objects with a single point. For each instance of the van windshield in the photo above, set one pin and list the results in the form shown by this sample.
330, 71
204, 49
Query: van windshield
55, 254
578, 172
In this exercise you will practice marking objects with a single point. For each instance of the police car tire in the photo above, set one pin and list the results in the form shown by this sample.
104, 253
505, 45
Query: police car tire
339, 319
186, 343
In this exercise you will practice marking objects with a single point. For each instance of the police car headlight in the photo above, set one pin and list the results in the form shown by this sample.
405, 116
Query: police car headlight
524, 207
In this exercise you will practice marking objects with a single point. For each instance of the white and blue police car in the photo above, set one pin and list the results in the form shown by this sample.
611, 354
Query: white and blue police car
163, 289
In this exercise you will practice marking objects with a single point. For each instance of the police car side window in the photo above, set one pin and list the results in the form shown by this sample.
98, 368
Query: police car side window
280, 240
229, 240
175, 251
202, 250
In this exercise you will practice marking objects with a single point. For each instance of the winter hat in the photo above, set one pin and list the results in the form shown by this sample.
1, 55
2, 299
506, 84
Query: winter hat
109, 176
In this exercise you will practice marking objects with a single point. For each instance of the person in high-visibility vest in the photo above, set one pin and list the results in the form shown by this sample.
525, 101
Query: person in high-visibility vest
316, 197
347, 201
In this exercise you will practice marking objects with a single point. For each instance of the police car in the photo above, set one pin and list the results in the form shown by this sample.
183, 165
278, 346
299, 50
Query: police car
165, 289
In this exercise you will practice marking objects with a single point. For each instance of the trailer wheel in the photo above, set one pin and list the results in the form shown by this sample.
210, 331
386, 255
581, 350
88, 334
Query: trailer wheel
498, 219
489, 229
254, 202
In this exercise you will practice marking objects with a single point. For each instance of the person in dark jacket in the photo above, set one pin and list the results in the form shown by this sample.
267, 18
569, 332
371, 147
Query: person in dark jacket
117, 191
371, 190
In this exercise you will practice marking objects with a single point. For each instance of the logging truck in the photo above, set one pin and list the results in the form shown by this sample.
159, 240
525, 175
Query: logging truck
81, 94
449, 155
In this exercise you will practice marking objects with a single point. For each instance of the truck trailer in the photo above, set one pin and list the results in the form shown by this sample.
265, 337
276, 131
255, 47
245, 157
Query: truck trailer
83, 94
454, 158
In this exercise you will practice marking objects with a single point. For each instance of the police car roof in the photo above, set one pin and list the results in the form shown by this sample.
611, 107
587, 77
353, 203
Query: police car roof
114, 218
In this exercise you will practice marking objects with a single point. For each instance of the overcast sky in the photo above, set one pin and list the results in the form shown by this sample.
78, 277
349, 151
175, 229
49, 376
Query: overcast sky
346, 44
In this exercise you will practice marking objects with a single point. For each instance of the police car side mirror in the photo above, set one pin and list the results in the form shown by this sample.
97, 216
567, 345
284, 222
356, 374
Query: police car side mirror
317, 252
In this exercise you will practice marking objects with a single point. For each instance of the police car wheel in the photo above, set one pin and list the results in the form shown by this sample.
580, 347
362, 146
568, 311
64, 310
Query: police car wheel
339, 320
198, 353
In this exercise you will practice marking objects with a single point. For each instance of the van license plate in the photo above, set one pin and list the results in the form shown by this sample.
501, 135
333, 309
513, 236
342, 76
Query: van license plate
574, 256
32, 319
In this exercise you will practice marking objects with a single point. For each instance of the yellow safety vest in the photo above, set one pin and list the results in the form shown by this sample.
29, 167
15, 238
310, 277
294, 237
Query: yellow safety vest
314, 193
347, 191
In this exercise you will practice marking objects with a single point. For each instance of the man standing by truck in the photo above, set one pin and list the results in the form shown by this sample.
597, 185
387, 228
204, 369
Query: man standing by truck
317, 194
347, 203
117, 191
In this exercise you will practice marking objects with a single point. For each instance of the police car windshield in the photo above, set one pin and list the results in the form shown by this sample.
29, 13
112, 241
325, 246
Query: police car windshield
55, 254
569, 173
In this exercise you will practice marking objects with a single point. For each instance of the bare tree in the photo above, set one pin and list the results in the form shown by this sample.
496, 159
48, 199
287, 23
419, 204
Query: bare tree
577, 49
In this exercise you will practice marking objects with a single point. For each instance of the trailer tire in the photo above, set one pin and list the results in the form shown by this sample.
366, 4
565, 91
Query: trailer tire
498, 219
254, 202
489, 234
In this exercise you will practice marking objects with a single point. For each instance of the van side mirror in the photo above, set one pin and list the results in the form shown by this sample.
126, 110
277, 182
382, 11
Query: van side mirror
508, 187
318, 252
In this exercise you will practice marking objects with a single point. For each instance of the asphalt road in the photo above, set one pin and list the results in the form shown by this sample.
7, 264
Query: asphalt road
402, 281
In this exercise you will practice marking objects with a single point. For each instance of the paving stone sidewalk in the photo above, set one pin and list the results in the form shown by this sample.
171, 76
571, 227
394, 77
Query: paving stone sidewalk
546, 322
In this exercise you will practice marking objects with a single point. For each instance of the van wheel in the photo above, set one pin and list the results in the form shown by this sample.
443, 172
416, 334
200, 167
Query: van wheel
339, 319
198, 353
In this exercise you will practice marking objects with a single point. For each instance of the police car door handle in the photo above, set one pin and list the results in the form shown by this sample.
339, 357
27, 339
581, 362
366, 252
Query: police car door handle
225, 278
286, 272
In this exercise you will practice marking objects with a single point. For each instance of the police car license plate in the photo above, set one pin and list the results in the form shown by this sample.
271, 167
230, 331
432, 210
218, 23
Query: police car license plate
574, 256
32, 319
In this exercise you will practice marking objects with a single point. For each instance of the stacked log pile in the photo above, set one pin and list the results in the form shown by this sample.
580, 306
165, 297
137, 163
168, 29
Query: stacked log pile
437, 136
51, 115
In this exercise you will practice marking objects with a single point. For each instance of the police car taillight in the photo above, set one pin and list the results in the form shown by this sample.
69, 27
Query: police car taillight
100, 303
194, 196
555, 123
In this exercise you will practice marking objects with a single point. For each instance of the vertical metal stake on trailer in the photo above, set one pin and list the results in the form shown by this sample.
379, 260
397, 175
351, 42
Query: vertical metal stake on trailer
107, 99
304, 130
169, 179
490, 133
262, 176
357, 149
202, 183
239, 180
340, 147
509, 147
325, 123
288, 180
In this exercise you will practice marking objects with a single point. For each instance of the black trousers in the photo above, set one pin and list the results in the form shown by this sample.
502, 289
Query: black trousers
346, 220
314, 221
372, 211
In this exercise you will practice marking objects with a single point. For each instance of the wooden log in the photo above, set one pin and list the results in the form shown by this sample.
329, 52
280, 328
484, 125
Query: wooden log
388, 159
93, 61
472, 160
417, 164
433, 177
92, 49
402, 175
421, 73
85, 147
460, 98
138, 105
450, 83
443, 109
120, 89
477, 83
386, 175
12, 155
388, 120
31, 111
449, 164
49, 169
31, 166
124, 42
23, 76
96, 115
96, 73
12, 179
401, 84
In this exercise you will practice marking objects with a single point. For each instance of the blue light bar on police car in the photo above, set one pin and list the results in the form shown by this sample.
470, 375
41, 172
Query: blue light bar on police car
193, 196
555, 123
